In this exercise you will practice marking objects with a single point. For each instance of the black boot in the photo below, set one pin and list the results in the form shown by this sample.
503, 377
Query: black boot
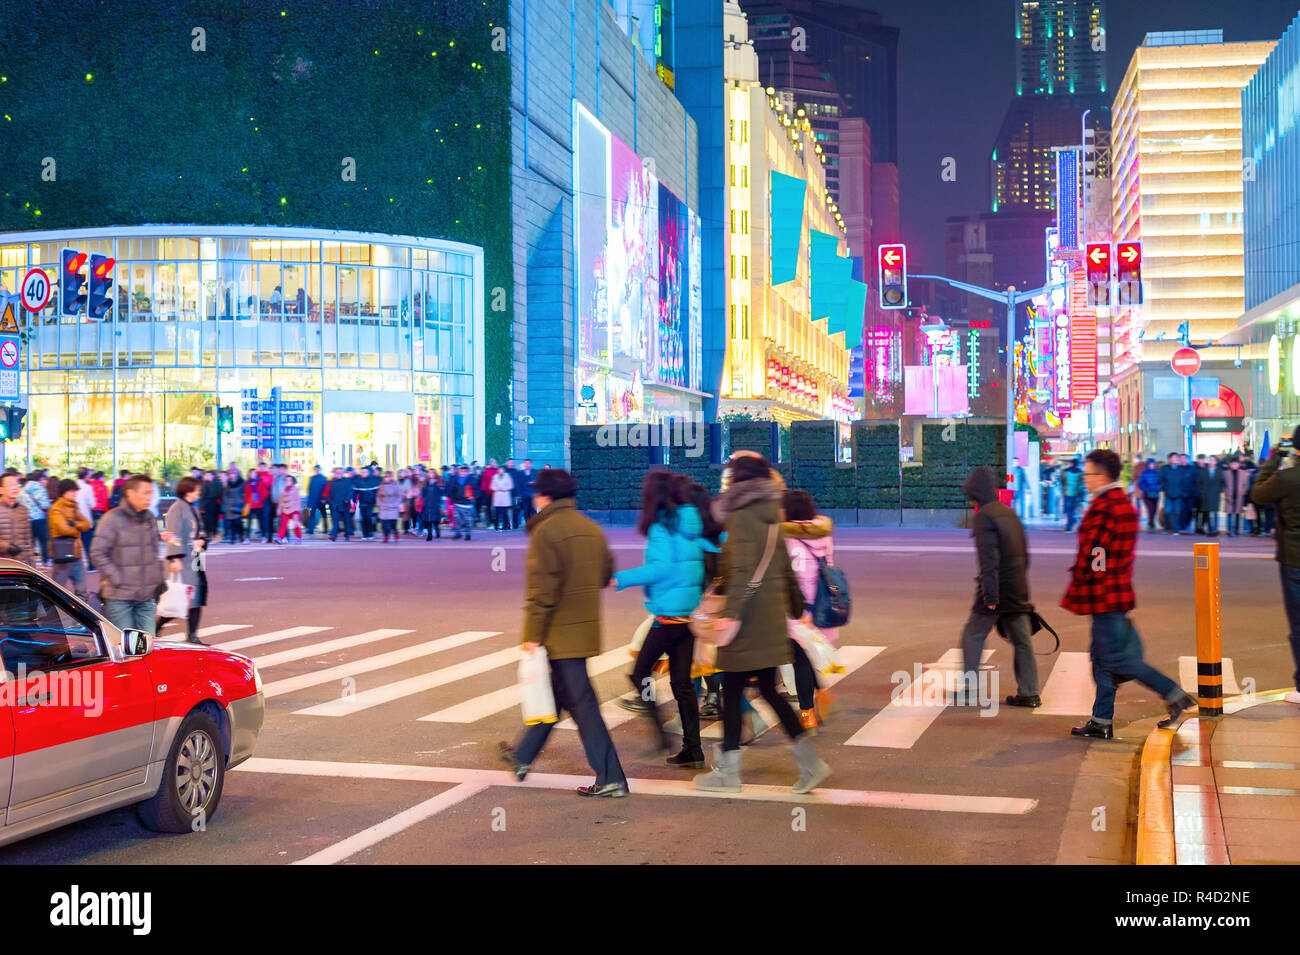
687, 759
1094, 730
192, 626
1176, 707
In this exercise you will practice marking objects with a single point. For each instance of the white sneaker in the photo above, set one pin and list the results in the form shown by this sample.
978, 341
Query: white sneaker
1292, 696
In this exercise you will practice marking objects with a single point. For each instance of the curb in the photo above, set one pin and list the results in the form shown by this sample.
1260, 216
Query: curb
1155, 818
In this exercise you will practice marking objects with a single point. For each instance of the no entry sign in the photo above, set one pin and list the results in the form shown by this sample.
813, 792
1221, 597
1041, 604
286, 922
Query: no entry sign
1186, 362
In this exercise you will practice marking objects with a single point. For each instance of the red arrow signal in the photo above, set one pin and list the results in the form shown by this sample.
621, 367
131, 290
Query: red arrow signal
891, 256
1097, 254
1129, 252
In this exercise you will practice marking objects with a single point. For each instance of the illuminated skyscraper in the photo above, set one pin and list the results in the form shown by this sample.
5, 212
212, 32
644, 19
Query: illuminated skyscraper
1060, 47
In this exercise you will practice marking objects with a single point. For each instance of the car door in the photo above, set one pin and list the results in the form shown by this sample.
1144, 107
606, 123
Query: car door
82, 723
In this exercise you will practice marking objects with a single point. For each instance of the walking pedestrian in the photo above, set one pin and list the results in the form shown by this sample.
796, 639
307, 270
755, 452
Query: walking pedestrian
484, 498
15, 523
1001, 590
466, 495
754, 552
809, 540
389, 501
125, 550
367, 490
67, 524
1072, 491
569, 564
1209, 493
316, 502
1236, 495
1279, 488
187, 552
290, 510
234, 505
211, 492
1101, 585
257, 494
673, 579
36, 499
524, 491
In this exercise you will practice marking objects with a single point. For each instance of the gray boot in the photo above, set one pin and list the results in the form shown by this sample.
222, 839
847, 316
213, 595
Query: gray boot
812, 770
725, 776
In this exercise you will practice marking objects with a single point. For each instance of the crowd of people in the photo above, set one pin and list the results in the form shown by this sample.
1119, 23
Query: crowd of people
1177, 496
365, 502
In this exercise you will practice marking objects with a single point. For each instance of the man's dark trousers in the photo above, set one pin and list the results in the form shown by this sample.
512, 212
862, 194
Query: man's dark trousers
342, 520
1019, 629
1116, 654
264, 516
1291, 601
367, 520
573, 693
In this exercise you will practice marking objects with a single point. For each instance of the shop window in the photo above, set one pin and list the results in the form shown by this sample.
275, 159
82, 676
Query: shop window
142, 291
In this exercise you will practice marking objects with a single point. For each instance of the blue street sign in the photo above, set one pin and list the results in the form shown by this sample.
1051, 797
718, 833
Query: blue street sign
248, 393
294, 432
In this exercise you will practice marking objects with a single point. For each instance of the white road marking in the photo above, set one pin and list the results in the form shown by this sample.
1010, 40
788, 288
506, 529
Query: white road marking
900, 726
1069, 689
489, 704
240, 580
1187, 677
389, 692
393, 825
378, 662
329, 646
223, 628
932, 802
271, 637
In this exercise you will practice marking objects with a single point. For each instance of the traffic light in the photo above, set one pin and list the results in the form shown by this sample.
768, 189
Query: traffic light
15, 417
97, 298
71, 298
1097, 260
1128, 273
4, 423
225, 419
892, 260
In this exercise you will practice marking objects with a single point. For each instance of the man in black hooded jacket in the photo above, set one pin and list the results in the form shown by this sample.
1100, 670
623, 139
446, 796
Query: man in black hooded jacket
1001, 589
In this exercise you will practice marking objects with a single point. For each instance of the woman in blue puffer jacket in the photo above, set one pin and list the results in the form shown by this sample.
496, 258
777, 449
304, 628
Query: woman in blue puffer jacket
673, 578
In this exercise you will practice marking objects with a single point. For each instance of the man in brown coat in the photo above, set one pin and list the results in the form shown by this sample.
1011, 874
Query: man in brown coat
15, 524
569, 564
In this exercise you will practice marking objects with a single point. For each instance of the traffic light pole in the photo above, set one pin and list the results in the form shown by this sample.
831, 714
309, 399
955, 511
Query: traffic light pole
1184, 331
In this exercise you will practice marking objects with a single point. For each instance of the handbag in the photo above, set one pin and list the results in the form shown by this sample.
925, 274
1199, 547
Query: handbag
707, 622
63, 550
831, 605
1249, 512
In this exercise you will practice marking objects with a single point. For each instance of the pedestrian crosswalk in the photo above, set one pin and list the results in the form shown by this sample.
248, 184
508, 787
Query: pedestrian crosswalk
468, 677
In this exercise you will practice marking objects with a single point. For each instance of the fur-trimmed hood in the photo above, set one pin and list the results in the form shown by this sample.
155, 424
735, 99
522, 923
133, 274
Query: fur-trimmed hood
743, 495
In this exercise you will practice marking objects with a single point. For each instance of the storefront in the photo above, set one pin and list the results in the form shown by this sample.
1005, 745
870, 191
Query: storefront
377, 340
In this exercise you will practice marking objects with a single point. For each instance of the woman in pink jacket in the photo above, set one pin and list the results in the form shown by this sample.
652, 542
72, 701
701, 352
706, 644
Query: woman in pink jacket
808, 538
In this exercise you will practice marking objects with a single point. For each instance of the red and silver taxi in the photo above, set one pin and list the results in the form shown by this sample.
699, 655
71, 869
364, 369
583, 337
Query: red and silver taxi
93, 717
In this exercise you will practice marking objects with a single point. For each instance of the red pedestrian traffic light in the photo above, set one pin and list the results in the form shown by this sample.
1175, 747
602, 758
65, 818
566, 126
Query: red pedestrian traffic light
1097, 265
1128, 273
892, 262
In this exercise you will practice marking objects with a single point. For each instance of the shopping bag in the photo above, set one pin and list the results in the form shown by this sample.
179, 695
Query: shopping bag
535, 694
176, 601
820, 653
704, 661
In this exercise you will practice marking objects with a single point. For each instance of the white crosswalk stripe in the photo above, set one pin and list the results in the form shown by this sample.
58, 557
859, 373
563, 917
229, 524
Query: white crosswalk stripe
329, 646
902, 720
1188, 680
271, 637
389, 692
1069, 689
368, 664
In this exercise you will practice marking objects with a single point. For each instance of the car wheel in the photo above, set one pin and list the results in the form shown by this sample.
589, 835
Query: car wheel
192, 778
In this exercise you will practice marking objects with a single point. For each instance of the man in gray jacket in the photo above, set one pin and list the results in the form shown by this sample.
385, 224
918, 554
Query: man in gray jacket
125, 550
15, 524
1001, 590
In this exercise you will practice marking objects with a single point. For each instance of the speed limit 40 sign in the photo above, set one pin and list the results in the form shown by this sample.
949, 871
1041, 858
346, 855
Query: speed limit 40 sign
36, 290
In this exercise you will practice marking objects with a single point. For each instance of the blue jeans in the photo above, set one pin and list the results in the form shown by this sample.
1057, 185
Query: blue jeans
1116, 653
1071, 506
573, 693
1291, 601
131, 614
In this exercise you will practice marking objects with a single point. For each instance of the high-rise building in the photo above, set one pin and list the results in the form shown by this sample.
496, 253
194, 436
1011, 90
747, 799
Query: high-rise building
1022, 169
1060, 47
1176, 186
835, 59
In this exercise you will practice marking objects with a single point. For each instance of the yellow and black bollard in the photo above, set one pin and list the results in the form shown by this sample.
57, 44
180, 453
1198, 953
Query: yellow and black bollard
1209, 631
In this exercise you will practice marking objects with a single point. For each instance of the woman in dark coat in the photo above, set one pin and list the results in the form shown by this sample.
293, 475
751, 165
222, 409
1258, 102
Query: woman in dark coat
233, 506
750, 509
431, 506
211, 501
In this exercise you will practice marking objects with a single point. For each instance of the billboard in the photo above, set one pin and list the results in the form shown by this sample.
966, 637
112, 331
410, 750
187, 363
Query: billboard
638, 254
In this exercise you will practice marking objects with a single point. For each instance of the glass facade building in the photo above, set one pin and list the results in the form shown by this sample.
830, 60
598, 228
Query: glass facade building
377, 339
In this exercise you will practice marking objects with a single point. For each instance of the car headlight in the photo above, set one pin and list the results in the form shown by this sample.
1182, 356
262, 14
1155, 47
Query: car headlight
257, 680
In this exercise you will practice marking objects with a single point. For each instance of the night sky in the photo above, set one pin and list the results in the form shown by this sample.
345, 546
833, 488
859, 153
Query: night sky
957, 74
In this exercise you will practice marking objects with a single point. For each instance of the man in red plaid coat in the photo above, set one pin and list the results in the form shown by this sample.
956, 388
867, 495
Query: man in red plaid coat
1101, 584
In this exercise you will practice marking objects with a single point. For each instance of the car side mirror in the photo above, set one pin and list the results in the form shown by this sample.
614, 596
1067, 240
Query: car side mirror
136, 643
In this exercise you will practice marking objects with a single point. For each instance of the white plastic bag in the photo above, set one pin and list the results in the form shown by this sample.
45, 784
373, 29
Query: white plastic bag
176, 601
820, 653
535, 694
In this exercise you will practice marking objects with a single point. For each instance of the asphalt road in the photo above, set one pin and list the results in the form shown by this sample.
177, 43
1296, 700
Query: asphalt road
346, 769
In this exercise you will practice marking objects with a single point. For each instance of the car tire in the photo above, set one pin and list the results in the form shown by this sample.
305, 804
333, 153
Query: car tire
183, 793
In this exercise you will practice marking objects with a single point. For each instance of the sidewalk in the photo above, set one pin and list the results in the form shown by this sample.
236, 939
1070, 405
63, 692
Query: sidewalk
1223, 791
